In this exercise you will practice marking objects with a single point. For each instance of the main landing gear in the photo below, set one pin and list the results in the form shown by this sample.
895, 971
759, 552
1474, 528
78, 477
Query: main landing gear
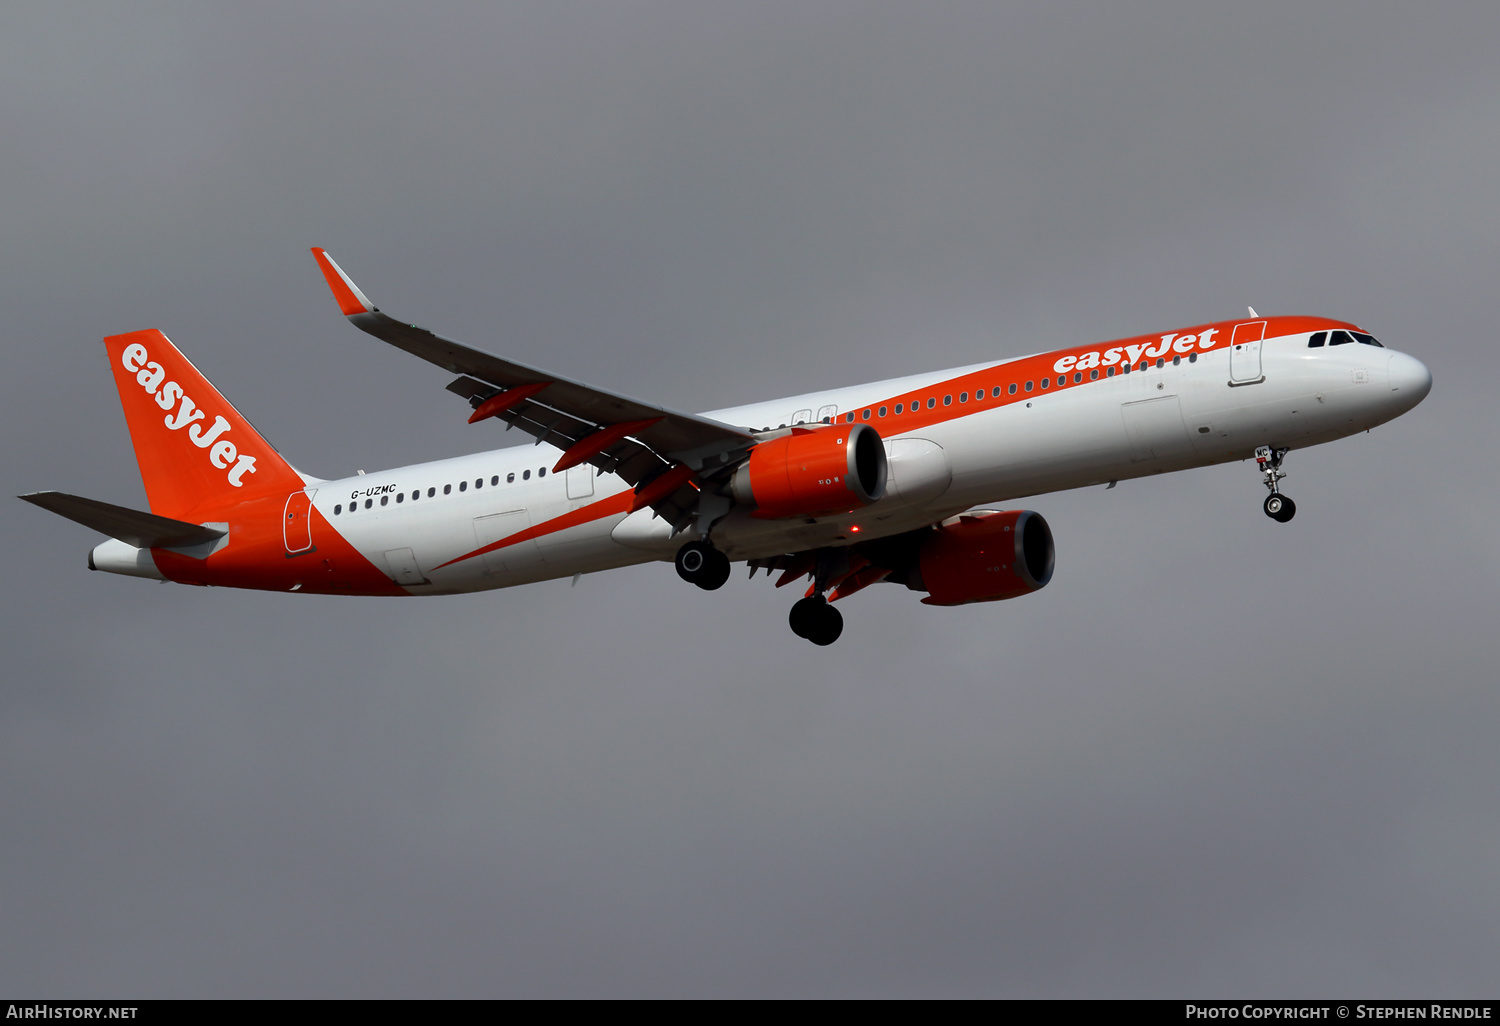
811, 618
1277, 506
817, 621
701, 564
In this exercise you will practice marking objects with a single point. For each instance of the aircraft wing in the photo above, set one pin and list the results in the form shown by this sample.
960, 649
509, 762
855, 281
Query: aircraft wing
637, 440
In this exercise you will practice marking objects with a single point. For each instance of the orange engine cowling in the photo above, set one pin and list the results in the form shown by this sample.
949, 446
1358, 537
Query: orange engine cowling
986, 556
813, 472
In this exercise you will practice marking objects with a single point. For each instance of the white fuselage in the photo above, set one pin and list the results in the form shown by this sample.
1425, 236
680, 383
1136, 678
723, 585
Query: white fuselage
1180, 415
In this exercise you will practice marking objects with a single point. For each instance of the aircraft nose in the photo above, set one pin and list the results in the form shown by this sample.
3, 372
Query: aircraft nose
1410, 379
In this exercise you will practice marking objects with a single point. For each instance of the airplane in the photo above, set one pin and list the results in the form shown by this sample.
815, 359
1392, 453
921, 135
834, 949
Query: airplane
900, 481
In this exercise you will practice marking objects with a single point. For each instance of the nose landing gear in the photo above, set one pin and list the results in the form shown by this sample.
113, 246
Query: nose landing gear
701, 564
1277, 506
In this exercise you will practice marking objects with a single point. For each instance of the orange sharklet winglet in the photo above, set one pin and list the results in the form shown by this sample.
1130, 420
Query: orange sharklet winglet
600, 440
661, 486
498, 404
350, 299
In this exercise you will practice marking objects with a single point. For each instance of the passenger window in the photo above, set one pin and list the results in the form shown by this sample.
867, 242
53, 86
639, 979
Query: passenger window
1012, 388
1340, 338
463, 486
338, 509
416, 495
1062, 379
849, 417
541, 472
1160, 362
963, 397
385, 500
882, 411
1094, 374
1366, 340
510, 478
1176, 361
447, 489
947, 400
1193, 358
865, 415
431, 492
495, 480
1077, 377
369, 503
479, 482
525, 475
1046, 383
1110, 373
1028, 386
931, 403
898, 409
1317, 340
400, 496
996, 393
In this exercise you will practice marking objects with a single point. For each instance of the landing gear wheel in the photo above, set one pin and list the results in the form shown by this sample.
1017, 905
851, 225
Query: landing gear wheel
814, 619
701, 564
716, 572
805, 614
829, 626
1279, 508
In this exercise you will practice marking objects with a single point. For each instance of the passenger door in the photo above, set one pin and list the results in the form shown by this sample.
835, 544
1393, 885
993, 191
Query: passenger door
296, 522
1244, 353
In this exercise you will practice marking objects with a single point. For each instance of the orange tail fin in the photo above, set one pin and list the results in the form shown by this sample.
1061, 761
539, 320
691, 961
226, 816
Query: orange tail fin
196, 452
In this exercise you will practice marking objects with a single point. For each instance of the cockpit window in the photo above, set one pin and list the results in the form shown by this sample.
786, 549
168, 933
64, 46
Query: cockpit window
1340, 338
1317, 340
1366, 340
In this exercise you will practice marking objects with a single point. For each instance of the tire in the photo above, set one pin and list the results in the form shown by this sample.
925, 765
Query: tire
692, 559
803, 618
715, 571
1288, 510
828, 626
1274, 504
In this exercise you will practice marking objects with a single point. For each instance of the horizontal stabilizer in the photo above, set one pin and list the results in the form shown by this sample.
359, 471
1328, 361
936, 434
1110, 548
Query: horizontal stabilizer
143, 530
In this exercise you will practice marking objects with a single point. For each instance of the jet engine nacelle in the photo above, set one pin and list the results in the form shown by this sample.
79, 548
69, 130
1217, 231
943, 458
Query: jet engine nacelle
986, 556
813, 472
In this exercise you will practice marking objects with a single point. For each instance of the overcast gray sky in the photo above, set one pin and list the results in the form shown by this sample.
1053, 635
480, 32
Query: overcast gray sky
1217, 756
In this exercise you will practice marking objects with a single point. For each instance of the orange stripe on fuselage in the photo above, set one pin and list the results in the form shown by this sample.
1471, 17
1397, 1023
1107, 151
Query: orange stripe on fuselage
617, 503
1035, 368
256, 557
1031, 368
